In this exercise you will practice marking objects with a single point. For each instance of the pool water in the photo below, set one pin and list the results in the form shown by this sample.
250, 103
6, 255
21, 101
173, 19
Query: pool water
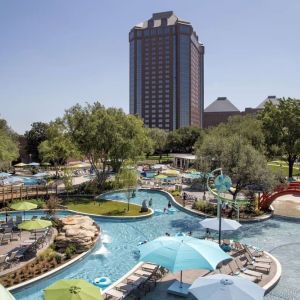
117, 254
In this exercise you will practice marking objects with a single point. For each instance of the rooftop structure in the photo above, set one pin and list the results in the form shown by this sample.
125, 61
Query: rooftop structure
221, 104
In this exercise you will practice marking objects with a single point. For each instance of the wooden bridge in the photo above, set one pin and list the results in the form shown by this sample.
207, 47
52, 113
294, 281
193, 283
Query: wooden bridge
266, 199
9, 193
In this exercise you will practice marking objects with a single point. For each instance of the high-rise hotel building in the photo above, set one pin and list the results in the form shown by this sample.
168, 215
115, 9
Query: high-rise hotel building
166, 72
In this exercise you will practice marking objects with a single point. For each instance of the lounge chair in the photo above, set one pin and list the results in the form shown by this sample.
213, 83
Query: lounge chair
12, 258
252, 264
255, 253
3, 261
258, 259
6, 238
136, 280
119, 294
225, 269
238, 269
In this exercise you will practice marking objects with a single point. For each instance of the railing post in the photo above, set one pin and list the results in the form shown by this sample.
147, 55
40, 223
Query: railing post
11, 189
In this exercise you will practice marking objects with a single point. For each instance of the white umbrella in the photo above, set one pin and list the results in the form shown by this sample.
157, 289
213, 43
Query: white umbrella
226, 224
226, 287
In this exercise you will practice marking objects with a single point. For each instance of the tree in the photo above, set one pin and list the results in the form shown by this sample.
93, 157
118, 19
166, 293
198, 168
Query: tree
8, 144
246, 166
248, 128
183, 139
282, 130
58, 147
159, 140
127, 179
105, 136
34, 137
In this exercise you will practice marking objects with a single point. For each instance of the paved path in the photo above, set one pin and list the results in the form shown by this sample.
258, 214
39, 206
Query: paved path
287, 205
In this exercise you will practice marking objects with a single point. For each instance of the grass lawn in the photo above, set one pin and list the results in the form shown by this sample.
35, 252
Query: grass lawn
103, 207
282, 166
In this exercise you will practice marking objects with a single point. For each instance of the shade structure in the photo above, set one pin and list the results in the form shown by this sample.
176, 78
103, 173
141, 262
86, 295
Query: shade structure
34, 224
161, 176
5, 294
72, 289
20, 165
226, 224
178, 253
226, 287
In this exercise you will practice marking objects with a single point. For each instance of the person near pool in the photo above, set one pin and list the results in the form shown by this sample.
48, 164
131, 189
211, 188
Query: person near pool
150, 202
169, 204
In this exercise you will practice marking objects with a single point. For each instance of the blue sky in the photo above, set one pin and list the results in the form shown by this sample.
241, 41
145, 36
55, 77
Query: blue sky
57, 53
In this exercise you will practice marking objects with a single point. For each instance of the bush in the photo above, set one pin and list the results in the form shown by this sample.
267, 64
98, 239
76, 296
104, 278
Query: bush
70, 251
58, 258
205, 207
47, 254
175, 193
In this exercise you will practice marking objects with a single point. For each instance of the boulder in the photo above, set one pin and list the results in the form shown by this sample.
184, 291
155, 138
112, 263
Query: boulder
79, 230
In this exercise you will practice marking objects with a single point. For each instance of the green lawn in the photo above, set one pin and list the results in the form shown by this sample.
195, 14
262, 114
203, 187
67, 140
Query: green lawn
103, 207
282, 166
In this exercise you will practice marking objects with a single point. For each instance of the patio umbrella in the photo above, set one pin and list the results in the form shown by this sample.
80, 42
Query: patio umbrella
34, 164
179, 253
171, 172
5, 294
161, 176
226, 287
20, 165
72, 289
23, 205
226, 224
34, 225
43, 174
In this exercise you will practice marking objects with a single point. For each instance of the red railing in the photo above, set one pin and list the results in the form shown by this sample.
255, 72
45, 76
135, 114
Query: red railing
266, 199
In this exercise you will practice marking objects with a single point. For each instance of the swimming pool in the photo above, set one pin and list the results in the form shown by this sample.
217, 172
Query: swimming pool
118, 254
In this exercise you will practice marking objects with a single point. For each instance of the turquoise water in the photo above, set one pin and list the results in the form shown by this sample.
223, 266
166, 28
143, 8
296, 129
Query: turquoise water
118, 253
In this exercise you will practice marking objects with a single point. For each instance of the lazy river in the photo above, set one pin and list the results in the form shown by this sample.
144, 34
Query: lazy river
117, 253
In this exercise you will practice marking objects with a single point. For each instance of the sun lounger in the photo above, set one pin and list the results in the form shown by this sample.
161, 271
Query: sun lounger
6, 238
136, 280
115, 294
258, 259
238, 268
143, 273
3, 261
225, 269
255, 265
149, 267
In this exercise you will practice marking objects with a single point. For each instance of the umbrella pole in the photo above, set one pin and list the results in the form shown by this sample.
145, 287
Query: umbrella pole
220, 220
180, 279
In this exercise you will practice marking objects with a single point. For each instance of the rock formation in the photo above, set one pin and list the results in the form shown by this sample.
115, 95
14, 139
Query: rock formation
79, 230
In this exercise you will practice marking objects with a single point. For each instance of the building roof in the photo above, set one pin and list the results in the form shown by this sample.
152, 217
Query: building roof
272, 99
221, 104
184, 156
171, 18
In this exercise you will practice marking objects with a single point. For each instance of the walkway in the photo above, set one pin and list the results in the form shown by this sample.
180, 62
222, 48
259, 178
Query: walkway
287, 206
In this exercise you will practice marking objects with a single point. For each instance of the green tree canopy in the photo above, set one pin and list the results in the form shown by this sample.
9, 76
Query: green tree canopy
248, 128
105, 136
8, 144
282, 130
183, 139
159, 140
58, 147
34, 137
126, 179
246, 166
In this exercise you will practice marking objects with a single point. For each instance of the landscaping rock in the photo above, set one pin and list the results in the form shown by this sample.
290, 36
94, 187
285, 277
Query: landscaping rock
79, 230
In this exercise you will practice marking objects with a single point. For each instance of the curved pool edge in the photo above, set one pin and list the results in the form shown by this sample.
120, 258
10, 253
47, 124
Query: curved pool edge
274, 281
265, 217
68, 264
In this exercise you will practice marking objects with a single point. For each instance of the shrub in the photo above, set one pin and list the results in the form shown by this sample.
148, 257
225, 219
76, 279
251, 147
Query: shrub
58, 258
70, 251
47, 254
205, 207
175, 193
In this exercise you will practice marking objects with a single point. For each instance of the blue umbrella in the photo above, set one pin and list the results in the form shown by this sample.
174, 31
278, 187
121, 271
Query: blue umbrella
44, 174
183, 253
4, 175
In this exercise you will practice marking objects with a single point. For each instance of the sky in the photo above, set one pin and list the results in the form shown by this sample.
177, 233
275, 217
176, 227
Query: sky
54, 54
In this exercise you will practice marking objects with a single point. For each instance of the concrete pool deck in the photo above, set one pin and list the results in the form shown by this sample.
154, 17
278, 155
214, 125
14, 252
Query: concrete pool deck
287, 206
